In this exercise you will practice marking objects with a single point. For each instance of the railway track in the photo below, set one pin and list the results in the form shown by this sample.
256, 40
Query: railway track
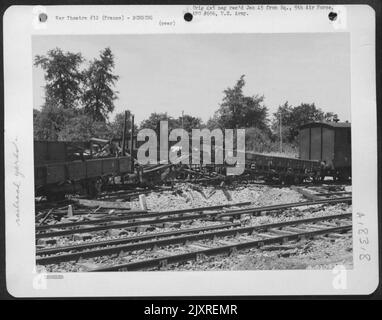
167, 216
261, 240
163, 239
185, 236
142, 215
79, 251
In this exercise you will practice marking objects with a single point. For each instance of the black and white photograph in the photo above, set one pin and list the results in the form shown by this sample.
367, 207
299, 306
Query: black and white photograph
193, 154
98, 208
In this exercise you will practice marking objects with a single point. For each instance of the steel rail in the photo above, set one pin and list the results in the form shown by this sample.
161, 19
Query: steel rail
142, 215
285, 206
158, 262
95, 212
332, 193
180, 240
157, 235
252, 211
116, 226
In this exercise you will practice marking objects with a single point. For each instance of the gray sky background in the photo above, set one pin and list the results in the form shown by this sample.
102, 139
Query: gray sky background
171, 73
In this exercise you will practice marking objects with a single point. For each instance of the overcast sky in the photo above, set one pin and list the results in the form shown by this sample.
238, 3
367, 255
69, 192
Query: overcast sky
171, 73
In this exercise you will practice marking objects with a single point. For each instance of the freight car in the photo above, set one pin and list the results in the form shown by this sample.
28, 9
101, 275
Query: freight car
329, 143
67, 167
282, 169
324, 150
74, 167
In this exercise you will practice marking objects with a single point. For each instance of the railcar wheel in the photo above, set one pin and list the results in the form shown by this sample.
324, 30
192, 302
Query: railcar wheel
343, 175
91, 188
268, 179
298, 180
289, 180
55, 196
282, 179
315, 179
100, 182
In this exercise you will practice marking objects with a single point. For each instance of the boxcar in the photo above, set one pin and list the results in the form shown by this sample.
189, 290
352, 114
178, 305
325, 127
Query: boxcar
330, 143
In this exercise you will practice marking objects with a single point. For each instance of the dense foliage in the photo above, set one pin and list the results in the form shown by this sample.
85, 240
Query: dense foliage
99, 80
186, 122
79, 100
293, 117
240, 111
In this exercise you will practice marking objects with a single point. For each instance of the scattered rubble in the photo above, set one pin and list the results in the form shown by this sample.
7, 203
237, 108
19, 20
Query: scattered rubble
320, 253
185, 195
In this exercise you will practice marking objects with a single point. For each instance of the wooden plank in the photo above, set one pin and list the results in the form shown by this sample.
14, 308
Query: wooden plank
306, 193
103, 204
46, 217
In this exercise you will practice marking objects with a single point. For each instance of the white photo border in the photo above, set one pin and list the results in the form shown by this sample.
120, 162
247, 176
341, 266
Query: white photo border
21, 24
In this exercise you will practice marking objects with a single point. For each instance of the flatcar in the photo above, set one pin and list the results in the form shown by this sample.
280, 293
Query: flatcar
72, 167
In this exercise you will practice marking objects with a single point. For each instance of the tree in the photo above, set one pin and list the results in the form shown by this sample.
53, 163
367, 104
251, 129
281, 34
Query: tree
240, 111
188, 122
285, 113
257, 140
99, 80
294, 117
61, 116
50, 121
62, 76
153, 122
116, 126
62, 92
82, 128
36, 124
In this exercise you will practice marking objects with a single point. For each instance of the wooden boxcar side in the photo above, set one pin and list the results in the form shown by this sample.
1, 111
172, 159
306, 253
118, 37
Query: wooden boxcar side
49, 151
329, 143
55, 167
